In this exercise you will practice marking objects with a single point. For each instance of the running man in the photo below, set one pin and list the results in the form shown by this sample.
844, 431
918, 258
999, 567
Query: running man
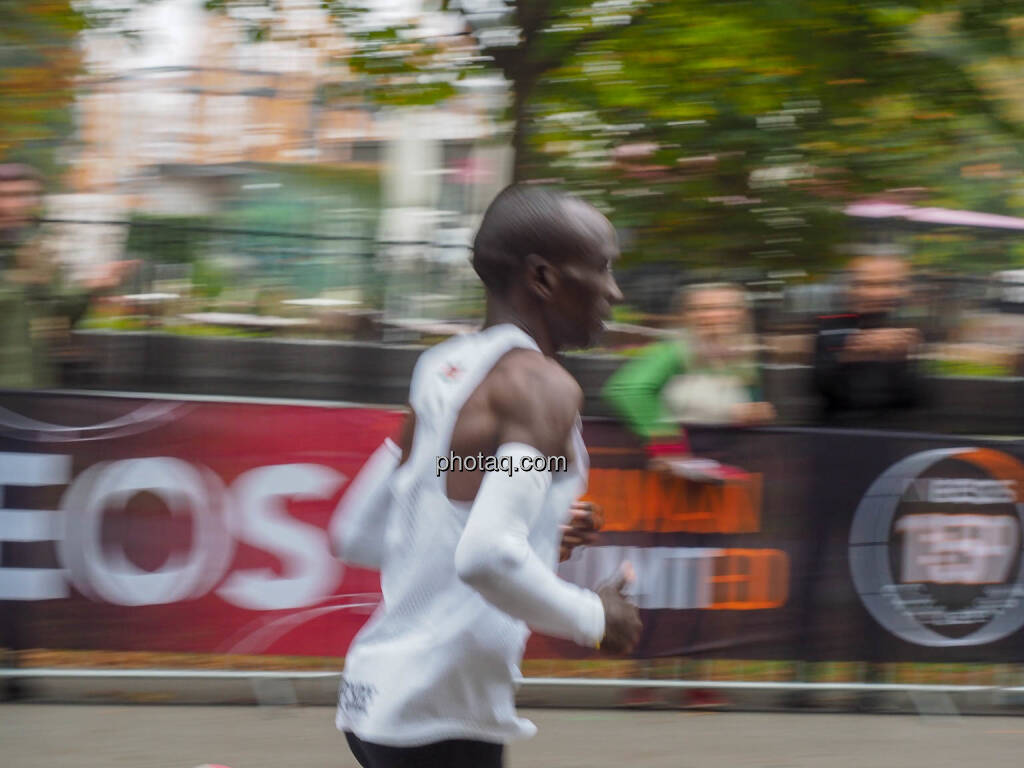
467, 559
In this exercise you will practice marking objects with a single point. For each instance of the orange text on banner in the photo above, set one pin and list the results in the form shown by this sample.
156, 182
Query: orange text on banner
749, 580
638, 500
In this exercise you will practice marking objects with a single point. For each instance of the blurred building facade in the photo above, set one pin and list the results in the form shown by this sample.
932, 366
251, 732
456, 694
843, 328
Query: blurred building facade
192, 132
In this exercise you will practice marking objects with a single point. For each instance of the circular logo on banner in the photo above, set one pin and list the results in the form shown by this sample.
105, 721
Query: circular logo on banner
936, 545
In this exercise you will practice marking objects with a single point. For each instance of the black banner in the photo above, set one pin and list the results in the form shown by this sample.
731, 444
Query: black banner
869, 546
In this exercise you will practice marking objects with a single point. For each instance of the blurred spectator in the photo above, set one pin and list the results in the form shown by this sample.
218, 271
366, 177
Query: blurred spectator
863, 365
37, 310
707, 374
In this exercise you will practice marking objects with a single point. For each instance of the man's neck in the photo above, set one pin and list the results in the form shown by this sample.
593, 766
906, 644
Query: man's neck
499, 313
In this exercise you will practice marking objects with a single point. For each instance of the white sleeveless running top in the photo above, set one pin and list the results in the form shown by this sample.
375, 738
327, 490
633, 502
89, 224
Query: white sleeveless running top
436, 661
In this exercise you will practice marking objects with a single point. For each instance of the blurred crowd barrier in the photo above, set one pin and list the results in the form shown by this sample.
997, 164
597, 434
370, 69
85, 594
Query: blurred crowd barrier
185, 321
215, 278
189, 267
225, 278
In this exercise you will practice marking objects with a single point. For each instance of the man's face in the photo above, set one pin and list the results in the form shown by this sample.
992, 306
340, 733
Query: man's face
18, 203
715, 313
586, 290
877, 285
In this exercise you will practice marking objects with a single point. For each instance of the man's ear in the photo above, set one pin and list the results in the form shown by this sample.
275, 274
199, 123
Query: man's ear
541, 276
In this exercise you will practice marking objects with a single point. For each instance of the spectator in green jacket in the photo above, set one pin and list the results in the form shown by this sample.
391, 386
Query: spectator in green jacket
707, 373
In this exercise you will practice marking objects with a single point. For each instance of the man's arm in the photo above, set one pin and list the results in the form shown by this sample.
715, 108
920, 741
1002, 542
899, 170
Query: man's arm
534, 409
829, 370
39, 272
356, 531
634, 390
585, 521
904, 379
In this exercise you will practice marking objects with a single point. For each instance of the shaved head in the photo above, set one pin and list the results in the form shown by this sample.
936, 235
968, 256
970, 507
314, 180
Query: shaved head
532, 220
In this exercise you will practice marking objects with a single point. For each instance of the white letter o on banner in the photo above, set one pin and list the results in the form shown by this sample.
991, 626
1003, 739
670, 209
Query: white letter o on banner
111, 576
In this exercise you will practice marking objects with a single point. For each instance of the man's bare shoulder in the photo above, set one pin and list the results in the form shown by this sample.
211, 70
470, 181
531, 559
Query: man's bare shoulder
525, 376
535, 399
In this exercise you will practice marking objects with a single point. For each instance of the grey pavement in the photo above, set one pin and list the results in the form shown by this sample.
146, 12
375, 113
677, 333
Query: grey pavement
154, 736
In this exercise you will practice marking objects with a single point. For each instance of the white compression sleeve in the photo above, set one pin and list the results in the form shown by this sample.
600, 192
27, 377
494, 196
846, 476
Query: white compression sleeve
494, 556
356, 531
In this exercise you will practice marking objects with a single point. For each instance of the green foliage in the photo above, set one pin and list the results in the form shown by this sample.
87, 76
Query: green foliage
207, 279
625, 314
38, 63
198, 329
40, 57
139, 323
100, 323
967, 368
762, 119
730, 135
167, 239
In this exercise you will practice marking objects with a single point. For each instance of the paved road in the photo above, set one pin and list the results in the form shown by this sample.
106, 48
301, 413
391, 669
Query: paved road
94, 736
